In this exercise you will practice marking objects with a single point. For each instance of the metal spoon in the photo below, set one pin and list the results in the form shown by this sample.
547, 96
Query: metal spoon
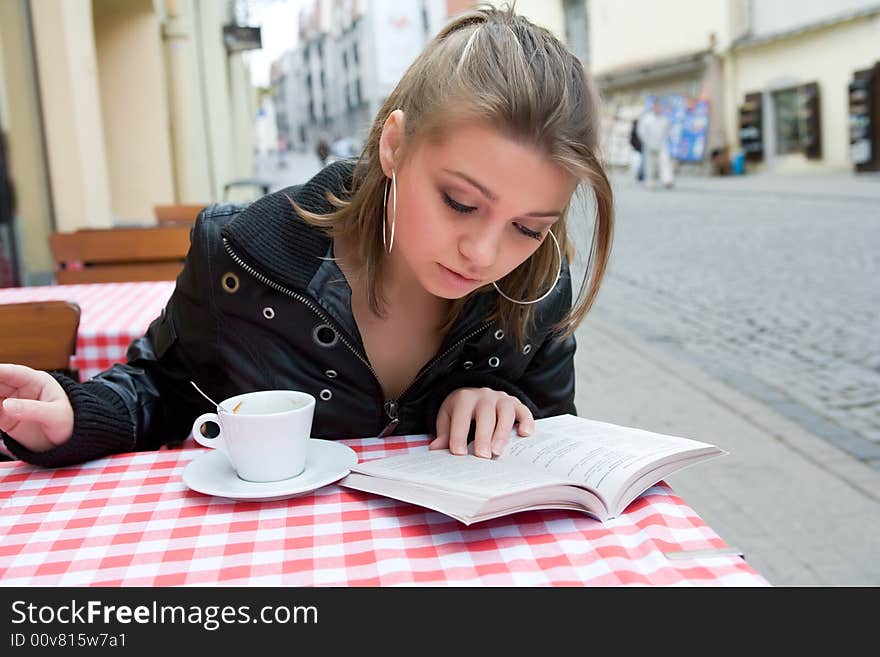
223, 408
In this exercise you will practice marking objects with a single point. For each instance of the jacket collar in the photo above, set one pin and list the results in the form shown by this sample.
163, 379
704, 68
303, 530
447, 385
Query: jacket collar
272, 238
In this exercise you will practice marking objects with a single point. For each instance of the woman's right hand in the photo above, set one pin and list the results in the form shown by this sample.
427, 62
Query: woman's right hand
34, 409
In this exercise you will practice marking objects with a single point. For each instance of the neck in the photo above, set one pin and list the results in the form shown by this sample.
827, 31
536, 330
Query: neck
400, 289
403, 293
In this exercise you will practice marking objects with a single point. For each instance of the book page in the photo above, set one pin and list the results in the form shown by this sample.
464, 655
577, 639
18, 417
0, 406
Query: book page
466, 473
601, 456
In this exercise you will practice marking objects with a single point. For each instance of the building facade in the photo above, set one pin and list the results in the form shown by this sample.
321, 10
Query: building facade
109, 108
770, 78
789, 80
351, 54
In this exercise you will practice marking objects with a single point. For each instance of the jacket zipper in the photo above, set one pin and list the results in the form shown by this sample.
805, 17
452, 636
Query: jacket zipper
390, 406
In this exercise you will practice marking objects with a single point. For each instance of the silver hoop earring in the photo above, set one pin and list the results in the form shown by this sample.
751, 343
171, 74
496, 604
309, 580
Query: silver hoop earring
552, 287
388, 246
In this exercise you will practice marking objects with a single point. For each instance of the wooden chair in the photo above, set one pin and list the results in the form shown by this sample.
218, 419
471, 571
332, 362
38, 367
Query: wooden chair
112, 255
177, 214
39, 334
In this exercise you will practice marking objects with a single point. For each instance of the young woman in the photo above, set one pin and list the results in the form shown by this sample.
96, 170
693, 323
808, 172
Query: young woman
423, 289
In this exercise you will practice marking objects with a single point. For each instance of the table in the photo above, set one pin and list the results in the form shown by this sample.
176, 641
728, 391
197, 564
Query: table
128, 520
112, 315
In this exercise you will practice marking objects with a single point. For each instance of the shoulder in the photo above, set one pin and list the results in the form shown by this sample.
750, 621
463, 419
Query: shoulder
336, 178
556, 305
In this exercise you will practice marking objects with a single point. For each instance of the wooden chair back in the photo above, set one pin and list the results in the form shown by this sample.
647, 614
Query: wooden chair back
181, 213
112, 255
39, 334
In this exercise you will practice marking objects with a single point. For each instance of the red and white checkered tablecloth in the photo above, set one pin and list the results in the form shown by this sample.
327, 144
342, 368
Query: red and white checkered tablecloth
129, 520
111, 316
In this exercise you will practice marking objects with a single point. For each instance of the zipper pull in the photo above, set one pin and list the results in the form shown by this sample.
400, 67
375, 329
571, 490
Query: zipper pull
391, 410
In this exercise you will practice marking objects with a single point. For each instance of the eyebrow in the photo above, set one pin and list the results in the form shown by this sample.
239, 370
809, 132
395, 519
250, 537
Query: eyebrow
493, 197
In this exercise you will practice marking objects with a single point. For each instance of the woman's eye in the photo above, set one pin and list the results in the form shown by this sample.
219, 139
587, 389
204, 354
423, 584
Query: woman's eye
455, 205
528, 232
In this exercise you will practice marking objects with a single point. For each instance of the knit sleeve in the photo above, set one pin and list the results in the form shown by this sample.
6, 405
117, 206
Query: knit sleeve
101, 427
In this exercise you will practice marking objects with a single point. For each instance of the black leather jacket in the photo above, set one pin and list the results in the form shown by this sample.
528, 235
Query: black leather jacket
258, 306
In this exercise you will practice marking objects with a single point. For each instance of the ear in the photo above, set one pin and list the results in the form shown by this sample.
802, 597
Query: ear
391, 141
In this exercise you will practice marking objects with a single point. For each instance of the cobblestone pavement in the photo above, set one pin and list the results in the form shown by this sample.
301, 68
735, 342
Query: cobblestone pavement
772, 288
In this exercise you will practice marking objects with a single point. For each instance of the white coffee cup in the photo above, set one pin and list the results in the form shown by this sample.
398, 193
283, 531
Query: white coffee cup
265, 434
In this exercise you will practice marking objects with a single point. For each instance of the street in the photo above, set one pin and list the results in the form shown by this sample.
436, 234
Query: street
771, 288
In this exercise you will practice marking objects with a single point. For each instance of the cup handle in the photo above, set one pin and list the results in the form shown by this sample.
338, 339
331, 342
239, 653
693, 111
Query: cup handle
202, 437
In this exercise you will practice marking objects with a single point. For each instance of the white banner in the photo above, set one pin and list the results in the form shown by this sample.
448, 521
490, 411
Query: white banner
400, 37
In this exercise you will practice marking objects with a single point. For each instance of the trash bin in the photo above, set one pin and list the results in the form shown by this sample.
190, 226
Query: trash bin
738, 163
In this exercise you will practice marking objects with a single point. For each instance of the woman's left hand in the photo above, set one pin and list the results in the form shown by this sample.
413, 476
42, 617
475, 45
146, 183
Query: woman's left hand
495, 414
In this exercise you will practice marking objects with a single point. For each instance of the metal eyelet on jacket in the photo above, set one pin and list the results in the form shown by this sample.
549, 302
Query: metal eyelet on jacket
468, 364
499, 334
229, 282
324, 335
268, 313
331, 374
527, 349
494, 361
325, 394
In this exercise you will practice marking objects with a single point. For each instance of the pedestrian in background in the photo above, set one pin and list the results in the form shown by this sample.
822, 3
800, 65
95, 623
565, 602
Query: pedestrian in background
638, 162
653, 132
323, 150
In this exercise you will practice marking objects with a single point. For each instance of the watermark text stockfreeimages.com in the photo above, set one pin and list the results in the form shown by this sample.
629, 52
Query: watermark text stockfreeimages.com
210, 617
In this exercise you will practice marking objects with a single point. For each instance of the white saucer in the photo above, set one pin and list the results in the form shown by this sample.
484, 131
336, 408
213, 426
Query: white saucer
212, 474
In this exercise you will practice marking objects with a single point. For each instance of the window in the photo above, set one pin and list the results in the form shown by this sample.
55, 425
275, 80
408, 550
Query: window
345, 59
354, 52
786, 104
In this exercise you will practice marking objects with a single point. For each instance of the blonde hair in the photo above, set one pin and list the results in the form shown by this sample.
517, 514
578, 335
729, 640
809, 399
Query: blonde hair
490, 65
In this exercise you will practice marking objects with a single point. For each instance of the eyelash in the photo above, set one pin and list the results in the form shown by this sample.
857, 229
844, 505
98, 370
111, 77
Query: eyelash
466, 209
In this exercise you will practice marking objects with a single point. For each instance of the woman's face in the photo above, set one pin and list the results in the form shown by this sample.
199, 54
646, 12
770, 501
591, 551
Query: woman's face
471, 208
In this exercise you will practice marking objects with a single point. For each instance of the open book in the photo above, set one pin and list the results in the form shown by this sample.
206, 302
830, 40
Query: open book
567, 463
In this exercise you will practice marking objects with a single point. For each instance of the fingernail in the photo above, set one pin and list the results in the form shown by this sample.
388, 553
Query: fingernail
11, 406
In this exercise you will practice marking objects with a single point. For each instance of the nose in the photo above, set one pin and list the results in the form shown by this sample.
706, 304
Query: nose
479, 247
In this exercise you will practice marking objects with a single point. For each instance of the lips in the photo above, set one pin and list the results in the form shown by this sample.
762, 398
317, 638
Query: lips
460, 275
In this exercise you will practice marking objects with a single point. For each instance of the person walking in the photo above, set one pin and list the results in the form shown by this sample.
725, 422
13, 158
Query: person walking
638, 161
323, 150
653, 132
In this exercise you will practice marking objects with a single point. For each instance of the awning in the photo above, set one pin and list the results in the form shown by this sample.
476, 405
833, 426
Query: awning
651, 70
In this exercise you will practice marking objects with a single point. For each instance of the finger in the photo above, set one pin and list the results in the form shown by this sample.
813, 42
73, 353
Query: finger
503, 426
7, 422
486, 417
441, 441
29, 410
525, 419
55, 418
460, 425
17, 376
